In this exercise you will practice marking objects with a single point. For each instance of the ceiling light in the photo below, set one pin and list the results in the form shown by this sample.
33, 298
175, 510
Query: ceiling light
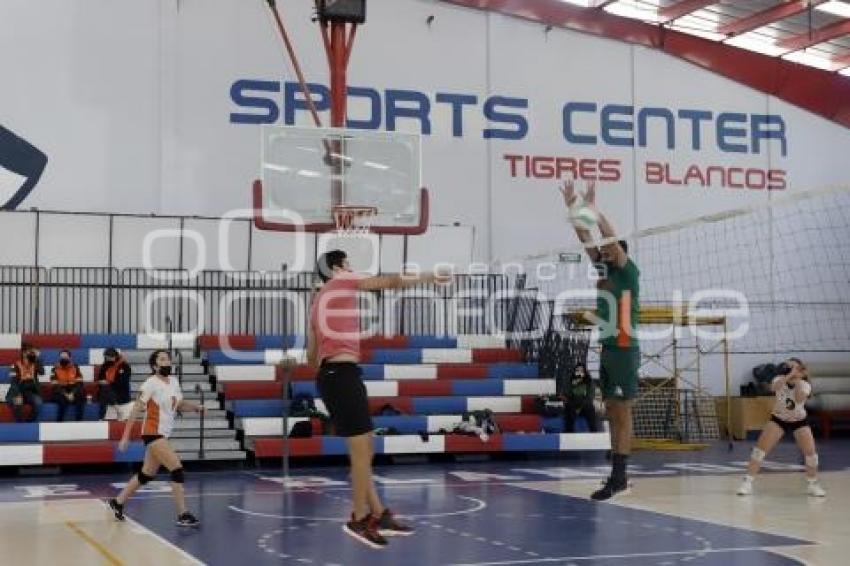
633, 11
835, 8
582, 3
754, 43
810, 59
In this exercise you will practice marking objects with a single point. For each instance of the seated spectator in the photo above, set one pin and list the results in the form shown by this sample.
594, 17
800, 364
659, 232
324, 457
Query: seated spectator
67, 386
24, 388
113, 381
579, 400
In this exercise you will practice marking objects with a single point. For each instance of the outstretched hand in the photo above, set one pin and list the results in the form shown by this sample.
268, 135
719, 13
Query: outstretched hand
568, 191
590, 195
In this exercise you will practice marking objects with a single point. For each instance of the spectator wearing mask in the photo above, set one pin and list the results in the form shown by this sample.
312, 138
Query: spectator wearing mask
579, 400
113, 381
24, 388
67, 386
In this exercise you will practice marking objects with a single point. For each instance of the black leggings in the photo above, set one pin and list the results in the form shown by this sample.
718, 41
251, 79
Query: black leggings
585, 409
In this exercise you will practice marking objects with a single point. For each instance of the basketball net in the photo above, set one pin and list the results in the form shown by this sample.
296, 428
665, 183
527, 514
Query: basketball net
353, 220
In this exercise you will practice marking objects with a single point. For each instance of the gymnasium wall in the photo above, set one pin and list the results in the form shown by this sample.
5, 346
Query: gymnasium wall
155, 107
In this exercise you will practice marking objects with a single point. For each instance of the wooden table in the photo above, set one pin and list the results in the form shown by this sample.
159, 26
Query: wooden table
748, 413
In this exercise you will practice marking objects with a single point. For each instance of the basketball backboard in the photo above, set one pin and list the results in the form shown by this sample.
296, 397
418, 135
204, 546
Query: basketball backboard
306, 172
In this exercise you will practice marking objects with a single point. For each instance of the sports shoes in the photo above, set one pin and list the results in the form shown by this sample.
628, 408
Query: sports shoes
814, 489
117, 508
366, 531
187, 520
388, 526
746, 487
610, 489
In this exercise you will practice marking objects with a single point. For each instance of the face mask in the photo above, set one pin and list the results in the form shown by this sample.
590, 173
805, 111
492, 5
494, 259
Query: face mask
164, 371
32, 358
64, 363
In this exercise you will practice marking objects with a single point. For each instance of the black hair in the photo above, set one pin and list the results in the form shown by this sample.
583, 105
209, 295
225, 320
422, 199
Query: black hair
625, 245
26, 348
155, 355
802, 366
111, 352
327, 261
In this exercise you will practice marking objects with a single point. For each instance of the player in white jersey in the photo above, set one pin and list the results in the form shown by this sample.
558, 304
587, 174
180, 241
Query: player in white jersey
160, 398
792, 389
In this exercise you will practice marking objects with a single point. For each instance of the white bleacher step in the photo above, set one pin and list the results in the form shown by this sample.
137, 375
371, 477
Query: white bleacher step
188, 369
212, 455
195, 424
187, 379
188, 387
194, 444
219, 433
142, 356
212, 413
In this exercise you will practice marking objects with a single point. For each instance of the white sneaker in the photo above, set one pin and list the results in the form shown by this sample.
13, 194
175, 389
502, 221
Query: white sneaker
746, 487
814, 489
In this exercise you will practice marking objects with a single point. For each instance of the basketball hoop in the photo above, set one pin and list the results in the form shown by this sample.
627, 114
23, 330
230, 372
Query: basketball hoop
353, 220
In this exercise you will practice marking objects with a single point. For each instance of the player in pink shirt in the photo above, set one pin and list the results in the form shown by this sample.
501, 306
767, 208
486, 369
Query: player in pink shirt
333, 346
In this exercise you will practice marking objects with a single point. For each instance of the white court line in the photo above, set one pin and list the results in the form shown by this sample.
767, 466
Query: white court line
479, 506
191, 559
613, 556
638, 506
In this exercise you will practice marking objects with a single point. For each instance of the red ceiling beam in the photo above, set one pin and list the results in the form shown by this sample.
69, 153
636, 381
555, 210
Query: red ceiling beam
774, 14
682, 8
823, 93
813, 37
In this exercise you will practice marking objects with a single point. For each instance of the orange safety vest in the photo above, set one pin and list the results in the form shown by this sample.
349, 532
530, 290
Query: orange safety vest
25, 370
112, 371
66, 375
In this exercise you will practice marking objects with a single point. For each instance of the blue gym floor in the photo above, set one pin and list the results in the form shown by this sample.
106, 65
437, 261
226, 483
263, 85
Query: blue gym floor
464, 513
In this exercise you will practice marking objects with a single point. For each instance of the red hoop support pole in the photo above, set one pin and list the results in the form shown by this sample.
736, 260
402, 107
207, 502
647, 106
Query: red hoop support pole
290, 50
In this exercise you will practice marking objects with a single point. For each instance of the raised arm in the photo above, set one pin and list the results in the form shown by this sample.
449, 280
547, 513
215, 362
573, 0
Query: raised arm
381, 282
612, 250
568, 191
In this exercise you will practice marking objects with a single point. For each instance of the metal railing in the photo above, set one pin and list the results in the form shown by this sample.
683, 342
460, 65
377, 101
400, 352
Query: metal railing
132, 301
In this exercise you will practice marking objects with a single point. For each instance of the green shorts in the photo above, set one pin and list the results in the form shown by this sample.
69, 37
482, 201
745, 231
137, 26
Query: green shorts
618, 372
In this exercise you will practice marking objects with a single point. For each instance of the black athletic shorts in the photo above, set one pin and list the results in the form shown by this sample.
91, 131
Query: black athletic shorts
344, 394
148, 438
789, 427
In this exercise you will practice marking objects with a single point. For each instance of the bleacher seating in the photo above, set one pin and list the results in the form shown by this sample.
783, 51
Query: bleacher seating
429, 381
91, 441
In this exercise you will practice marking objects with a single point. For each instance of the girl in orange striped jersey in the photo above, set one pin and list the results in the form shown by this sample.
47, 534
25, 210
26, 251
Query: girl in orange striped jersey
160, 398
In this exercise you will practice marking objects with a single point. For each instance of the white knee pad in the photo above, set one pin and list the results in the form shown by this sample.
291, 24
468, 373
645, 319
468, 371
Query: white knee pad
812, 461
757, 454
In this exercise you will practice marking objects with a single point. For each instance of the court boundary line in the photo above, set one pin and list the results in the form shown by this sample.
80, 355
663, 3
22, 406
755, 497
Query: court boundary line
104, 552
621, 503
615, 556
160, 538
480, 505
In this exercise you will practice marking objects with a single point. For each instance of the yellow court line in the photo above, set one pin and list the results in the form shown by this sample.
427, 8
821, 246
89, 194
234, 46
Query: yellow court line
97, 546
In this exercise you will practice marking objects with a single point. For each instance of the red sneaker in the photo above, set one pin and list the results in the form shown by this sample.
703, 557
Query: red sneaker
388, 526
366, 531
